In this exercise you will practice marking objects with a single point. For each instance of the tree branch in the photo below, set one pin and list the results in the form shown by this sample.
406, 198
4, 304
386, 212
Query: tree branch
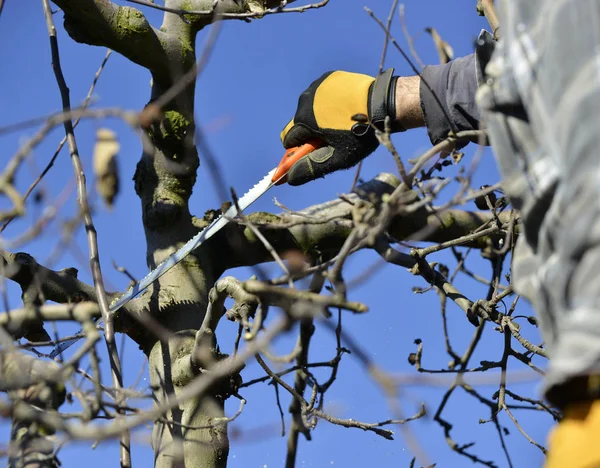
322, 229
121, 28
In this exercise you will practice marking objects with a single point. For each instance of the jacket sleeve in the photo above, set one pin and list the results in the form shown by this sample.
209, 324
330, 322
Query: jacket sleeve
454, 84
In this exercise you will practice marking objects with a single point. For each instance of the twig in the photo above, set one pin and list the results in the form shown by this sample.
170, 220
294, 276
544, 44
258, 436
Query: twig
526, 343
386, 40
267, 245
298, 426
446, 145
487, 8
371, 426
522, 431
89, 225
284, 297
409, 39
225, 15
86, 102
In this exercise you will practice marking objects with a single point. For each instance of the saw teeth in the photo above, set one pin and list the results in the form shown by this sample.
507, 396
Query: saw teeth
247, 199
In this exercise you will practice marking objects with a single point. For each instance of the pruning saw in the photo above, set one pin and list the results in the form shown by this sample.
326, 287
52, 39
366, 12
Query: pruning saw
276, 176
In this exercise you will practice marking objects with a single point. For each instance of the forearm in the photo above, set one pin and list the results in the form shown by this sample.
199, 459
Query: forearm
441, 99
408, 102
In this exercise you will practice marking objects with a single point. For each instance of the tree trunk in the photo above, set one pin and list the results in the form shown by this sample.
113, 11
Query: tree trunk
190, 435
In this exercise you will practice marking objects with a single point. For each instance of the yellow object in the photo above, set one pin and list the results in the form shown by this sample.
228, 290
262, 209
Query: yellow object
285, 131
341, 96
575, 441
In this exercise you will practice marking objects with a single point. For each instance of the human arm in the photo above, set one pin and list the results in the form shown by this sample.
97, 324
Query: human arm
328, 109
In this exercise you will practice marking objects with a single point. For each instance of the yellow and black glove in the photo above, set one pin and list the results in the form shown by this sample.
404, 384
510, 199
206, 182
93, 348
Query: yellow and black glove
339, 109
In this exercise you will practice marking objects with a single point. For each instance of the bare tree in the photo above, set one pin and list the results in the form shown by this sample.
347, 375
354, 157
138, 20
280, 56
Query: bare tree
174, 322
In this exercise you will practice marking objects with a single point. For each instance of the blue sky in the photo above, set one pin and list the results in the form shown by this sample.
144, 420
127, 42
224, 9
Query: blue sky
244, 98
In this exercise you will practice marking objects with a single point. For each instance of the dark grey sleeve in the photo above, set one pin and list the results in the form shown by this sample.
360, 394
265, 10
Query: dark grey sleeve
455, 85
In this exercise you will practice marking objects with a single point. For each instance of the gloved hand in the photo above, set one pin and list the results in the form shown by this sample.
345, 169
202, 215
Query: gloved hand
337, 108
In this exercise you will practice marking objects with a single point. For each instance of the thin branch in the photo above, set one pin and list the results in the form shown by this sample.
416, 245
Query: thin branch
487, 8
84, 106
229, 15
89, 225
386, 39
408, 37
284, 297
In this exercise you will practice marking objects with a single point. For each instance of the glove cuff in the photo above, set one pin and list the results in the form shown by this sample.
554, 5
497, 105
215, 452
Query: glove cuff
382, 101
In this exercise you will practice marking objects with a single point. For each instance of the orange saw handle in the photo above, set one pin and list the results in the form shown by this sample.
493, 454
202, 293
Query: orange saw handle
292, 156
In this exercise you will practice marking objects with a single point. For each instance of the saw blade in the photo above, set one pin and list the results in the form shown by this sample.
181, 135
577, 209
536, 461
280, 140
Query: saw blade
249, 197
